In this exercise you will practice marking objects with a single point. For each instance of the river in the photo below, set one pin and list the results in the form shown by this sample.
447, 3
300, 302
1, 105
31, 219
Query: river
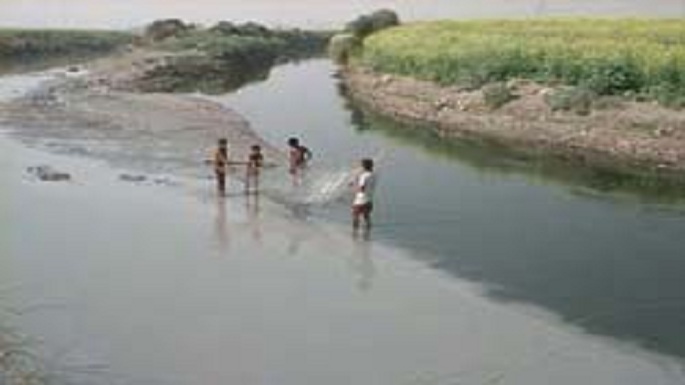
481, 268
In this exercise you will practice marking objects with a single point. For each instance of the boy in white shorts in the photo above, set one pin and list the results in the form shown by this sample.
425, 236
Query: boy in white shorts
364, 187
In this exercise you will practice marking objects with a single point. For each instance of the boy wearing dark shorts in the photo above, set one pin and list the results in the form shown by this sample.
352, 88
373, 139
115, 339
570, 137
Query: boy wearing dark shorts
220, 162
298, 156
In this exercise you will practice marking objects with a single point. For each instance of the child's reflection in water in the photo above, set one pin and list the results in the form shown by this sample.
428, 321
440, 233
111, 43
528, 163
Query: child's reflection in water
362, 260
221, 232
254, 222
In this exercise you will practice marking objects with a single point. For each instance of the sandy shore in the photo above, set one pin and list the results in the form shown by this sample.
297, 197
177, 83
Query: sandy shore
634, 137
95, 104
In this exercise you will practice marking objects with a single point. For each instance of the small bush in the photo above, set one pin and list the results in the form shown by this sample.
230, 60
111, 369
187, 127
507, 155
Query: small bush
384, 18
360, 27
342, 46
163, 29
253, 29
225, 28
496, 95
668, 95
225, 39
614, 77
576, 99
367, 24
610, 102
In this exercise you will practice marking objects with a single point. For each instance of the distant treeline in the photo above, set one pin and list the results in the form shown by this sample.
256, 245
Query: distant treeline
224, 56
29, 44
227, 39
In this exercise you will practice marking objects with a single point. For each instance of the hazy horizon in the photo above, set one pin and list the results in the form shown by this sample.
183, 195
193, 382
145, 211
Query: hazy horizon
124, 14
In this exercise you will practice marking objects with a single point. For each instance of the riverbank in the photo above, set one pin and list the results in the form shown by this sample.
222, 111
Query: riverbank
597, 92
630, 136
99, 106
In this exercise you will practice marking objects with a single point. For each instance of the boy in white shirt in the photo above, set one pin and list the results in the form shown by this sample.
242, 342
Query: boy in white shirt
364, 186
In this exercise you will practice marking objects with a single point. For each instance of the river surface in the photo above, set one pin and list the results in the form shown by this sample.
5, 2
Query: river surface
305, 13
609, 262
481, 268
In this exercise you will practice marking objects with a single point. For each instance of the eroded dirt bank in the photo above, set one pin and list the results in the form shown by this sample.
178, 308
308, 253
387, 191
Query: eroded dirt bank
638, 137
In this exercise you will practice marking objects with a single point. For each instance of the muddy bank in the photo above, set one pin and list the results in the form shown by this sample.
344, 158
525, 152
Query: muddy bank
96, 109
633, 137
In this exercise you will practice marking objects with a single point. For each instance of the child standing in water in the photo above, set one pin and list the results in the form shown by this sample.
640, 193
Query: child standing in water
298, 156
364, 186
255, 162
220, 163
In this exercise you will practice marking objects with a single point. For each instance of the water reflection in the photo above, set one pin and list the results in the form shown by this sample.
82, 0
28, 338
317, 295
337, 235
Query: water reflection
362, 263
221, 228
253, 216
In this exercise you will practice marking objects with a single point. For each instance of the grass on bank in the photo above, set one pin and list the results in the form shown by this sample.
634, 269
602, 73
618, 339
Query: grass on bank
225, 56
251, 40
638, 57
16, 44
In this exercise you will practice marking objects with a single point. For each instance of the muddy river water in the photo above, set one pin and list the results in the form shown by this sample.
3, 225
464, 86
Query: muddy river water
481, 268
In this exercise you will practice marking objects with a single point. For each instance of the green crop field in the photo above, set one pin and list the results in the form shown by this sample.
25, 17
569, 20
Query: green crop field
607, 56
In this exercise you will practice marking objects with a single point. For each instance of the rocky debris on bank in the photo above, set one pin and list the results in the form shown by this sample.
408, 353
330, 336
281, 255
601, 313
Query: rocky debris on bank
148, 179
132, 178
46, 173
620, 133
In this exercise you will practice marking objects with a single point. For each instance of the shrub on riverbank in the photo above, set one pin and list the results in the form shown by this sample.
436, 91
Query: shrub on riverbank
348, 43
342, 46
225, 56
226, 40
28, 44
607, 57
376, 21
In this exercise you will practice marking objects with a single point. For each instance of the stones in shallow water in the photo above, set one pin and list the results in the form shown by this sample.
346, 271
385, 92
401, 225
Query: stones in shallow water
140, 178
48, 174
132, 178
164, 181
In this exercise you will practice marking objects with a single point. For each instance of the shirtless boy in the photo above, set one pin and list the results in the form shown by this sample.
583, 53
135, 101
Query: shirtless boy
364, 186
